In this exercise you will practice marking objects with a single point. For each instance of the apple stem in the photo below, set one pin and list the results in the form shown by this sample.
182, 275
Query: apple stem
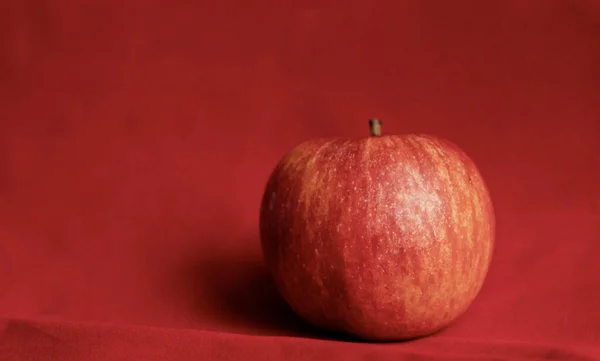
375, 125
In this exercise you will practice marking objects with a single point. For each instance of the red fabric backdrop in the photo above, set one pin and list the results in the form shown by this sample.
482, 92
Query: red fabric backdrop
136, 138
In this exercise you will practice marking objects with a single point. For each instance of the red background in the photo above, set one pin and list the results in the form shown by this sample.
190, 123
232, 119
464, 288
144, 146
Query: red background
136, 138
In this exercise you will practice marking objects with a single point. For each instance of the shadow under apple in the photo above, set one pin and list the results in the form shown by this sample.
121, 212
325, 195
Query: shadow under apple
231, 290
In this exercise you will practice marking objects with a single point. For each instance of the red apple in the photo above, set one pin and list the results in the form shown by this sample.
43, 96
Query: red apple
384, 238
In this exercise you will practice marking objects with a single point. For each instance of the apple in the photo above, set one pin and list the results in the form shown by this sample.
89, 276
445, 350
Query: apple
386, 237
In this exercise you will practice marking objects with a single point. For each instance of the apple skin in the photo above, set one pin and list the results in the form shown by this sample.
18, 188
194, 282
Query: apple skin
383, 238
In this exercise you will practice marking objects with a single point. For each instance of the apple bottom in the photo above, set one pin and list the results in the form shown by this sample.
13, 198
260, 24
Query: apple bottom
372, 324
400, 299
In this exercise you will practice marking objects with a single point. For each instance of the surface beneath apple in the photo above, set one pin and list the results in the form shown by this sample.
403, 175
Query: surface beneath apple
383, 238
